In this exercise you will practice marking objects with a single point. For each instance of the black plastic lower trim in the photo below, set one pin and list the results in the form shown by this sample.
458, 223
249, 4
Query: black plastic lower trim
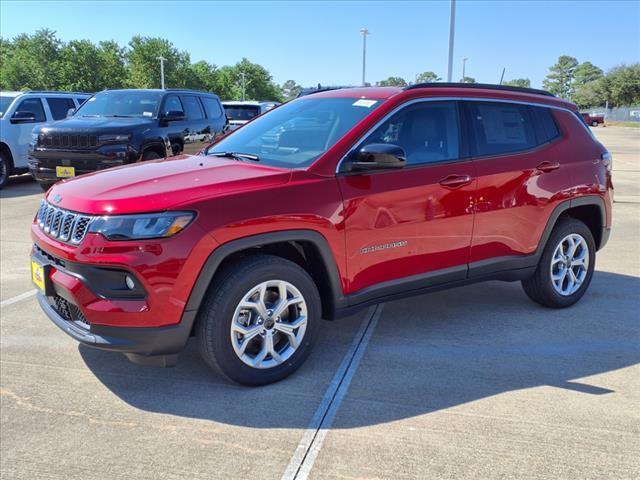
142, 341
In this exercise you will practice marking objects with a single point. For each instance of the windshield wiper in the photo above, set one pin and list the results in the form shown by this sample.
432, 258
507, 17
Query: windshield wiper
236, 155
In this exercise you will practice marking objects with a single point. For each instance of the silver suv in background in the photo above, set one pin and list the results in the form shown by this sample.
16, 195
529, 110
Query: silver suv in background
240, 112
20, 112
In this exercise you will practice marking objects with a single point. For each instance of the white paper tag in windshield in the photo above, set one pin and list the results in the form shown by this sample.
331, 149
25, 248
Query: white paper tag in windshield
364, 103
147, 114
92, 99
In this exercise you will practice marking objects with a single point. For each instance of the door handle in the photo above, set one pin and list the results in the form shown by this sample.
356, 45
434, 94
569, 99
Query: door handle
454, 181
548, 166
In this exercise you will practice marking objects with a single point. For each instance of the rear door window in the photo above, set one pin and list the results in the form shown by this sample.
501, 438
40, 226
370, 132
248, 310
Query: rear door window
212, 107
192, 107
501, 128
33, 105
59, 106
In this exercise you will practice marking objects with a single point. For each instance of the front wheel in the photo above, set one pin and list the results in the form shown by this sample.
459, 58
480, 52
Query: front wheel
5, 170
259, 320
566, 266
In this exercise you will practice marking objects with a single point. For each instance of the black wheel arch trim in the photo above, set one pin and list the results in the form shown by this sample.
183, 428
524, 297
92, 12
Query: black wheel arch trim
216, 258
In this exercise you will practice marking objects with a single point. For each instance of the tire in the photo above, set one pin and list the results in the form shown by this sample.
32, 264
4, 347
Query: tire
560, 293
221, 347
5, 170
594, 124
150, 155
46, 186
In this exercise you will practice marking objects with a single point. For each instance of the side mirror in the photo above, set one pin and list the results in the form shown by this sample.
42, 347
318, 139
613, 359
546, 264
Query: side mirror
70, 112
378, 156
172, 116
23, 117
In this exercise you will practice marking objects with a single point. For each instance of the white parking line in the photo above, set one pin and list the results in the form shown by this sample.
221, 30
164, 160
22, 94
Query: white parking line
17, 298
307, 450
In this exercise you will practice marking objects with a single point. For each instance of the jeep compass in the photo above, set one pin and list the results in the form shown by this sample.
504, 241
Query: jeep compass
330, 203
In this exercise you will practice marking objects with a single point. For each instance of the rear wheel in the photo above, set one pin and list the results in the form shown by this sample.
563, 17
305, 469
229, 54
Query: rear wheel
566, 266
594, 124
259, 320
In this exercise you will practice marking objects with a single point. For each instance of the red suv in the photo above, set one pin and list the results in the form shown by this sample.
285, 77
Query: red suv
325, 205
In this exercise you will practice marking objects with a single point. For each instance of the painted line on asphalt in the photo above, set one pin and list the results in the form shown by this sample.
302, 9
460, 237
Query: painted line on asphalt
307, 450
17, 298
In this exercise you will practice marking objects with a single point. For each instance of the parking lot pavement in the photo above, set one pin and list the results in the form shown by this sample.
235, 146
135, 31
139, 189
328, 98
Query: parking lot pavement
476, 382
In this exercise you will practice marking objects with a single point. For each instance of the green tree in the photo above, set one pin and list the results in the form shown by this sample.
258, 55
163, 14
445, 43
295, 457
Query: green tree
427, 77
467, 80
31, 62
144, 65
591, 94
621, 85
559, 81
113, 69
584, 73
519, 82
392, 82
204, 76
254, 79
290, 89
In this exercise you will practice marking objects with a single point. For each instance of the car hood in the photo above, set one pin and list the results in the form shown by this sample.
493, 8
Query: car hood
97, 124
162, 184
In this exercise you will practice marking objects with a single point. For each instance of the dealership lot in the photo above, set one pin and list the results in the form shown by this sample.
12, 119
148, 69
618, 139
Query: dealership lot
476, 382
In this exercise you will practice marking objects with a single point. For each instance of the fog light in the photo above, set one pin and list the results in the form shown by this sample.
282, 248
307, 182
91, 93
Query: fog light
130, 283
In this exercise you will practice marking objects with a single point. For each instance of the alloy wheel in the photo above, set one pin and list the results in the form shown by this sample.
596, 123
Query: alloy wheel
569, 264
269, 324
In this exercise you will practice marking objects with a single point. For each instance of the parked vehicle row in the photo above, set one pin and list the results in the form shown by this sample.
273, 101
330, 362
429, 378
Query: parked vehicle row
593, 119
320, 207
20, 112
241, 112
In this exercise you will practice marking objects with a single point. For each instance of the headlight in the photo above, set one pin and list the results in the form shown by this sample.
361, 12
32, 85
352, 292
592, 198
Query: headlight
114, 138
141, 227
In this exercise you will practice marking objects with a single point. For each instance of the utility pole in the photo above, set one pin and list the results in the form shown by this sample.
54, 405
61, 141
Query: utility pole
243, 84
502, 76
452, 25
464, 68
162, 60
364, 33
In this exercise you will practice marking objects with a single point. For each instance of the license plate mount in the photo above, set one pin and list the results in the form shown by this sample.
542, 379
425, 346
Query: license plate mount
65, 172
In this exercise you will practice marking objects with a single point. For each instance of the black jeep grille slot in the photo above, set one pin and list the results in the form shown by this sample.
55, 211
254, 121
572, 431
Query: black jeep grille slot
62, 224
69, 312
54, 140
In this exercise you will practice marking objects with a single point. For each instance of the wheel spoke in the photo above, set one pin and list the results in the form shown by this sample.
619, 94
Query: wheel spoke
284, 304
289, 329
268, 340
262, 354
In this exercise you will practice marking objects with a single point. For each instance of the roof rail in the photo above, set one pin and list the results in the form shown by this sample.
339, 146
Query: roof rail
487, 86
61, 92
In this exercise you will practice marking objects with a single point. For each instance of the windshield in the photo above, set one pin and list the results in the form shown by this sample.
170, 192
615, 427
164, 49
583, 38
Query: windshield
121, 104
5, 101
296, 134
241, 112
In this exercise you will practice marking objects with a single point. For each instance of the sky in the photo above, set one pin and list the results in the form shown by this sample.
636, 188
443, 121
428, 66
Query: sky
320, 42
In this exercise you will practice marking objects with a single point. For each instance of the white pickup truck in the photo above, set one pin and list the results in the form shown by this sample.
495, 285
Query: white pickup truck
20, 112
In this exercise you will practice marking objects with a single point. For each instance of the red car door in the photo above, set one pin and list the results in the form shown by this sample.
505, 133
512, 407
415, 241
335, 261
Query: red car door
520, 176
413, 224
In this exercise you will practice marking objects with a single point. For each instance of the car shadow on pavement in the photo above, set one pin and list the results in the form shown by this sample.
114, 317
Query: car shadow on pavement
427, 353
20, 186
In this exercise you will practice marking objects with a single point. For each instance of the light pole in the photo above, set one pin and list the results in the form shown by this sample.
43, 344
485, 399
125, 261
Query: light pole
162, 60
464, 65
364, 33
452, 25
243, 83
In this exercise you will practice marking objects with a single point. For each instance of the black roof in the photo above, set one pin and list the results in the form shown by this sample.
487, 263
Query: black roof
487, 86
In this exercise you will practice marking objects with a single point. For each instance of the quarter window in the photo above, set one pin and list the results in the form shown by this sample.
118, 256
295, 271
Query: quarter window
192, 108
212, 107
546, 128
500, 128
427, 132
59, 106
33, 105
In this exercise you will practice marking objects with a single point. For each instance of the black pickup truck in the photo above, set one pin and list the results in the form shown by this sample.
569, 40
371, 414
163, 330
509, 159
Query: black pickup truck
117, 127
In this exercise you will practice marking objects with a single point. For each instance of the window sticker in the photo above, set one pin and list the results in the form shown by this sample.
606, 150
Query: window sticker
364, 103
92, 99
147, 114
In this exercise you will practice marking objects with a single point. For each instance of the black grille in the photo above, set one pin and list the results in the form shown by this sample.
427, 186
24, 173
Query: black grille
62, 224
69, 311
54, 140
